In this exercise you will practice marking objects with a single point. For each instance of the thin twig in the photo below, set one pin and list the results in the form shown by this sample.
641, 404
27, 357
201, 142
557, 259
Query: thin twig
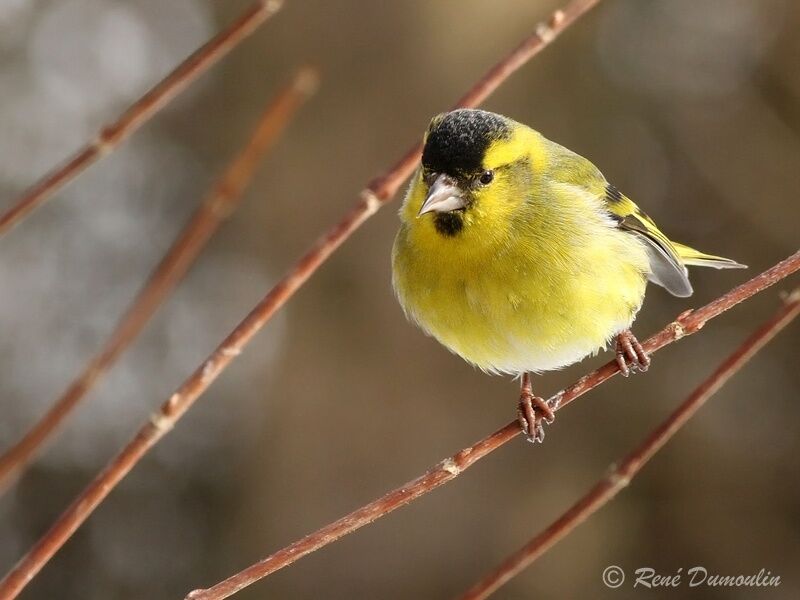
220, 203
110, 136
371, 199
621, 473
686, 324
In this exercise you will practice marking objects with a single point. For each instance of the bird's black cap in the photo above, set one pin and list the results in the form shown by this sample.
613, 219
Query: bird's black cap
458, 140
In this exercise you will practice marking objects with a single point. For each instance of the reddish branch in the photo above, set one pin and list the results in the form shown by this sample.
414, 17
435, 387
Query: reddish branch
220, 203
687, 323
110, 136
372, 198
622, 473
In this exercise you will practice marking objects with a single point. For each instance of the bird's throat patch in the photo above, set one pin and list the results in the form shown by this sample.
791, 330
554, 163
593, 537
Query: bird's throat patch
449, 224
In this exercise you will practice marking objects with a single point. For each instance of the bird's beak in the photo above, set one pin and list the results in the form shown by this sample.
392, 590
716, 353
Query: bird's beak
444, 196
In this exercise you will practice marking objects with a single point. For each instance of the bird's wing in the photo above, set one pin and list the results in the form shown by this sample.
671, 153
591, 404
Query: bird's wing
668, 269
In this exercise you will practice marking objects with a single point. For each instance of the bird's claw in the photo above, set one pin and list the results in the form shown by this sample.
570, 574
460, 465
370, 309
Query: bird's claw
532, 413
629, 350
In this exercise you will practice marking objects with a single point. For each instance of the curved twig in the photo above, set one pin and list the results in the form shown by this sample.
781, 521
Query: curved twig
112, 135
686, 324
621, 473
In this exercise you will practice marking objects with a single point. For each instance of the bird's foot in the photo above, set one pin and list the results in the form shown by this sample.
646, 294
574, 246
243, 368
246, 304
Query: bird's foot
533, 412
631, 357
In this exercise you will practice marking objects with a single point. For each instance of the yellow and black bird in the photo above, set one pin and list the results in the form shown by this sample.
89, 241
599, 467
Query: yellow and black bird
517, 254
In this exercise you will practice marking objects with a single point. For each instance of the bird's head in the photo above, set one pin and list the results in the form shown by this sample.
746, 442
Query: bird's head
476, 172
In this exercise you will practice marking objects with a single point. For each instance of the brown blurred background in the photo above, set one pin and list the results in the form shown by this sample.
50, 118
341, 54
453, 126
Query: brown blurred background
691, 107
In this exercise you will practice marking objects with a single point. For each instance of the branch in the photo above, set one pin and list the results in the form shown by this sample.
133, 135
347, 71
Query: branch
372, 198
218, 206
621, 474
686, 324
110, 136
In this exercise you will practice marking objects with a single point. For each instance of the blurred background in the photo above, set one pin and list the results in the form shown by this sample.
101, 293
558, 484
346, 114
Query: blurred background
692, 108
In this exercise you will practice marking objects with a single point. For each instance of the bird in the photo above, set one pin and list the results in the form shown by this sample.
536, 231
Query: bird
517, 254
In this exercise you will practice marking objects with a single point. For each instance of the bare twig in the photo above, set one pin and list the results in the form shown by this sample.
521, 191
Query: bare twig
687, 323
371, 199
110, 136
220, 203
621, 473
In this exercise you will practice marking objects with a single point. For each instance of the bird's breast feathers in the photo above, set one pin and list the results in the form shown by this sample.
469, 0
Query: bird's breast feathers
526, 306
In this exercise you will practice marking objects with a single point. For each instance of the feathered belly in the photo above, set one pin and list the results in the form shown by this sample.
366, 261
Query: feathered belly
508, 324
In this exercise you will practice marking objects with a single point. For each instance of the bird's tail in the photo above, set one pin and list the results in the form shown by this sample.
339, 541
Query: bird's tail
690, 256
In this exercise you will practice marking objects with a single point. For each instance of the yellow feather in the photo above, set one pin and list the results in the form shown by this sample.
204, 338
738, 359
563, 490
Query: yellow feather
693, 257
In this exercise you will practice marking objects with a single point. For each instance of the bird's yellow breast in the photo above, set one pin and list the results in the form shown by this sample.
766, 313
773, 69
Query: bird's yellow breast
530, 291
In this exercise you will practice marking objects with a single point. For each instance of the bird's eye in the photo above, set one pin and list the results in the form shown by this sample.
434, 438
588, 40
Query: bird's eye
486, 177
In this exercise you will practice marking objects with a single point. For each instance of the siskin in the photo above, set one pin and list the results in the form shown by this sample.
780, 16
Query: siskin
517, 254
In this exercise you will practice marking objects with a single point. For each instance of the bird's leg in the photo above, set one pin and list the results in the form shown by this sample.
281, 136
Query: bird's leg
532, 411
629, 349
